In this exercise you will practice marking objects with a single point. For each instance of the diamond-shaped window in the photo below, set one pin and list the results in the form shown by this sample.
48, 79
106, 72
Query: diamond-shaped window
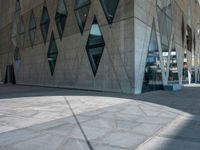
44, 23
17, 12
14, 33
61, 17
32, 29
81, 11
21, 33
95, 46
109, 7
52, 54
15, 23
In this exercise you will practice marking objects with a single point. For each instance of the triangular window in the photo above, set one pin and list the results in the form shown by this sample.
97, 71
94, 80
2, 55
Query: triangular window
153, 74
81, 11
109, 7
164, 11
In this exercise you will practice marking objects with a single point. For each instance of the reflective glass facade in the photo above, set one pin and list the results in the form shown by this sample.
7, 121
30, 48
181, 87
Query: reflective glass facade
173, 67
164, 11
153, 73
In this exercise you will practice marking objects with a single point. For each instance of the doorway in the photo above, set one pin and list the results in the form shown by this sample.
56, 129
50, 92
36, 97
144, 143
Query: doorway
10, 75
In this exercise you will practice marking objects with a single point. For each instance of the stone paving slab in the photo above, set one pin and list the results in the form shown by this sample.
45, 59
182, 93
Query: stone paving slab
50, 119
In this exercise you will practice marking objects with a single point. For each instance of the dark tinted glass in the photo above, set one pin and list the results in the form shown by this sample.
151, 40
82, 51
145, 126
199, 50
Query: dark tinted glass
95, 46
81, 11
52, 54
61, 17
109, 7
44, 23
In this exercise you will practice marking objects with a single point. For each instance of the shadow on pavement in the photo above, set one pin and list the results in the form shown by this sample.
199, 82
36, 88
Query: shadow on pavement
182, 134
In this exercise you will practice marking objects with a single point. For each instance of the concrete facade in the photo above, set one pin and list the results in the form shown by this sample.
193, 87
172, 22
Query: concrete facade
122, 64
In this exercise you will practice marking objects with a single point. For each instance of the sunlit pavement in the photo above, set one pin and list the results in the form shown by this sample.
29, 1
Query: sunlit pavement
36, 118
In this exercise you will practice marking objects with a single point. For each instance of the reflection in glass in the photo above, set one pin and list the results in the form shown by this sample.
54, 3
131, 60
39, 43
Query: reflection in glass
44, 23
52, 54
198, 76
164, 11
109, 7
185, 69
153, 74
81, 11
95, 46
15, 24
173, 67
61, 17
189, 38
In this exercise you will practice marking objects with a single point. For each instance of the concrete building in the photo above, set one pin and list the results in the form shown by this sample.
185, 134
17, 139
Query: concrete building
127, 46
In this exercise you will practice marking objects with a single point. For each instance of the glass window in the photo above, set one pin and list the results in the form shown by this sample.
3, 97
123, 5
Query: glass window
14, 33
185, 69
52, 54
81, 11
189, 38
61, 17
21, 33
109, 7
183, 30
32, 29
152, 74
164, 11
16, 22
44, 23
194, 40
173, 67
95, 46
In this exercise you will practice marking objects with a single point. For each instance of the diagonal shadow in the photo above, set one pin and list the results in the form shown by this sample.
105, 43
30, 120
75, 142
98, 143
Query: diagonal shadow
186, 135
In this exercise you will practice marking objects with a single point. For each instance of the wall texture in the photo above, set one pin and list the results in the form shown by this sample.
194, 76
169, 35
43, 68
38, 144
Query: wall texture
121, 67
115, 72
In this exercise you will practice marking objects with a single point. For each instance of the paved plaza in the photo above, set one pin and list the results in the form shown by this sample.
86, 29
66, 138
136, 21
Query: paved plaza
38, 118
